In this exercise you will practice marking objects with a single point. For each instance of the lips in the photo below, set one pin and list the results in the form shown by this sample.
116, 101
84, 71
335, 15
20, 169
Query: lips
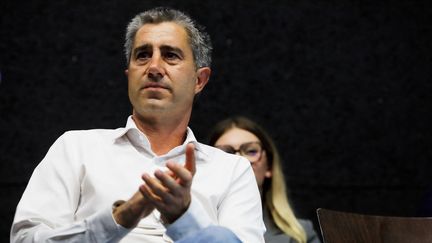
155, 86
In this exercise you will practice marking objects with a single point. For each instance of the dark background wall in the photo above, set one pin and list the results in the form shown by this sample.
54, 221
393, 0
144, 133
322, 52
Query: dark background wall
343, 87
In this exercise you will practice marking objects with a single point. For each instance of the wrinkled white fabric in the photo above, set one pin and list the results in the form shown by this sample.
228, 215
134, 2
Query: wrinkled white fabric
71, 192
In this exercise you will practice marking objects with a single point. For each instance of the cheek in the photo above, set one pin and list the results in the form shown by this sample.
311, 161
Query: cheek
133, 80
259, 176
183, 74
259, 169
185, 87
132, 88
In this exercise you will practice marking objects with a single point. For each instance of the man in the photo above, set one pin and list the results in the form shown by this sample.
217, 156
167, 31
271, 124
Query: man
177, 189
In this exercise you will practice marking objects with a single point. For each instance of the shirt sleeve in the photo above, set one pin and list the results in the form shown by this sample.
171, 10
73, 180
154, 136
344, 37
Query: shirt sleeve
193, 220
46, 210
99, 227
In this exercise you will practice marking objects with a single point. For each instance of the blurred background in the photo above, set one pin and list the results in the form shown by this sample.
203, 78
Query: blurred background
344, 87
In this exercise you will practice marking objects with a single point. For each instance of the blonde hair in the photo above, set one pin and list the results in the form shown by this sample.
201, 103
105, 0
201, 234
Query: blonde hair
274, 189
277, 203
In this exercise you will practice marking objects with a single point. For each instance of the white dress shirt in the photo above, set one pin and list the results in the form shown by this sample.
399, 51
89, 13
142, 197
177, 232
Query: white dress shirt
70, 195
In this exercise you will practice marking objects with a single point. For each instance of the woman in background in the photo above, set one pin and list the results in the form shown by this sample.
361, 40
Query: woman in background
245, 137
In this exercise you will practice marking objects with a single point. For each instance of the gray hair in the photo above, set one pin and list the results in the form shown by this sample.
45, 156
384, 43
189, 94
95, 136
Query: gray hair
198, 38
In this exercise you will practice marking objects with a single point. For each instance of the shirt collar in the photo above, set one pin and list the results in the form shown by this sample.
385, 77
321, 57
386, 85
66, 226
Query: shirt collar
131, 127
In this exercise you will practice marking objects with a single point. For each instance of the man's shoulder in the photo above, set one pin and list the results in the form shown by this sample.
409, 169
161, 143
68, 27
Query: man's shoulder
215, 154
91, 134
212, 151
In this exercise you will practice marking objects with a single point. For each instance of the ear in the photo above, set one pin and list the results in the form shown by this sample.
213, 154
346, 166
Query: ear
126, 72
269, 170
203, 75
268, 174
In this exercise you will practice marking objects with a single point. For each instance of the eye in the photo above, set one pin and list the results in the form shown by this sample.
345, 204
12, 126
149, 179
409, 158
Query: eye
251, 151
171, 56
143, 55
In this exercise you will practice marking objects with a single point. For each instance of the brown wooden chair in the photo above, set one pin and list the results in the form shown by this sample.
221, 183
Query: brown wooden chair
343, 227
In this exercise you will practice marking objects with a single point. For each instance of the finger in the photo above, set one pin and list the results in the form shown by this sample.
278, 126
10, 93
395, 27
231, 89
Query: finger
154, 188
182, 175
190, 158
171, 174
148, 193
167, 180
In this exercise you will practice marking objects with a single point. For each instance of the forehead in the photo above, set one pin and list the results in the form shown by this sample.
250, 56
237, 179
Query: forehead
165, 33
236, 136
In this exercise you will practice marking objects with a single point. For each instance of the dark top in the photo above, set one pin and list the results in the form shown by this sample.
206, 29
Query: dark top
275, 235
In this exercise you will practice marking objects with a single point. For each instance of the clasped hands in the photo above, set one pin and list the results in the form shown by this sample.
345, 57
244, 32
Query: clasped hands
169, 192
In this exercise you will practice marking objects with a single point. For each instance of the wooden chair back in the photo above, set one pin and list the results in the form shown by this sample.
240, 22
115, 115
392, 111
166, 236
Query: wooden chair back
344, 227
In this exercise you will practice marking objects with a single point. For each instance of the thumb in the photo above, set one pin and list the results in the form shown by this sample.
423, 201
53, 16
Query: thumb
190, 158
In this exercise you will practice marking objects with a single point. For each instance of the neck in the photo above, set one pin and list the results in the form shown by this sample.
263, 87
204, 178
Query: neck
163, 134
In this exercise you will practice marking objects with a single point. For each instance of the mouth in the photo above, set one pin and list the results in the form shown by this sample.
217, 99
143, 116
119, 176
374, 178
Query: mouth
155, 86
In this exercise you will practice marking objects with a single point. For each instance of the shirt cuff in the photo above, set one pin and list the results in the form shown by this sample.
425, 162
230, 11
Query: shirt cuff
103, 225
193, 220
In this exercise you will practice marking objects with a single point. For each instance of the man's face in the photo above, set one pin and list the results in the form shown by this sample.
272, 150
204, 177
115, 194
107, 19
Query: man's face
162, 76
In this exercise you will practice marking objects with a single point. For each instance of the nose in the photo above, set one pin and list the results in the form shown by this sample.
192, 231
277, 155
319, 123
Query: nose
155, 70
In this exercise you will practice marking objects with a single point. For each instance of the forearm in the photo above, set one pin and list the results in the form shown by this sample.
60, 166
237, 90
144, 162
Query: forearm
100, 227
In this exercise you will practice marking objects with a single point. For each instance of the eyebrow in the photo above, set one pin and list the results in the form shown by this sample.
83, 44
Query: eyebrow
141, 48
164, 48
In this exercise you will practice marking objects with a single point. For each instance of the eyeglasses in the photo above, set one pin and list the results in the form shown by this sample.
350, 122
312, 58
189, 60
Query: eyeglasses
251, 151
